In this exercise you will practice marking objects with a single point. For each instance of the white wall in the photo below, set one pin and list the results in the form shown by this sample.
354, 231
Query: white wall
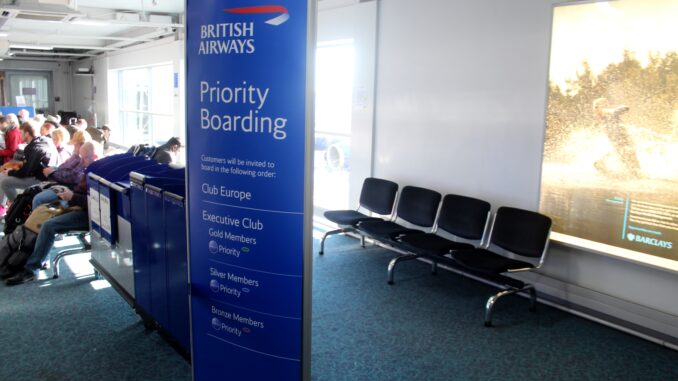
167, 50
461, 96
61, 78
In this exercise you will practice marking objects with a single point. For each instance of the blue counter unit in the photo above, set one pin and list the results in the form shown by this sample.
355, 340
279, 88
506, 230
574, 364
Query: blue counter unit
155, 247
177, 266
147, 232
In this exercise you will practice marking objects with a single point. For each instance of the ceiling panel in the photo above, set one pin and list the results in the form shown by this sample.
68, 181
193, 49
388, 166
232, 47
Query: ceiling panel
72, 29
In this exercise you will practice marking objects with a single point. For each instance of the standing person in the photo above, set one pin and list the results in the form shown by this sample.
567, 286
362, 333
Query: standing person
12, 138
610, 119
168, 153
37, 154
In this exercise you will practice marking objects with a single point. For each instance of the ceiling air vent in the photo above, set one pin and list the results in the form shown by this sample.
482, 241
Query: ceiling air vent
39, 16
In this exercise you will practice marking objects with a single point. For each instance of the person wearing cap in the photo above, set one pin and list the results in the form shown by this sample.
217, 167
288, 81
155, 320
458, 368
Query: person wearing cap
39, 118
168, 152
54, 118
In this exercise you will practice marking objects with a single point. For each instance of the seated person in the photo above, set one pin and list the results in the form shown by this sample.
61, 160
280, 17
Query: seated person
24, 116
10, 126
37, 155
168, 152
73, 220
106, 137
3, 127
95, 133
79, 138
68, 177
60, 137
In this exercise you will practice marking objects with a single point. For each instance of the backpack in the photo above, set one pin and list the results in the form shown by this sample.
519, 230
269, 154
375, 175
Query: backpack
21, 208
142, 150
15, 248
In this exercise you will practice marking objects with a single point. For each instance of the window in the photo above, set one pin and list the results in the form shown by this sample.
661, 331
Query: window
145, 105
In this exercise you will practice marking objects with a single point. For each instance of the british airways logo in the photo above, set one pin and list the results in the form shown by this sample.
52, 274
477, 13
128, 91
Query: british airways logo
238, 37
282, 13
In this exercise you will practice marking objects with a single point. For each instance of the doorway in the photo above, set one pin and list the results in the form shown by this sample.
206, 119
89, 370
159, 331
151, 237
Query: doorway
333, 100
29, 88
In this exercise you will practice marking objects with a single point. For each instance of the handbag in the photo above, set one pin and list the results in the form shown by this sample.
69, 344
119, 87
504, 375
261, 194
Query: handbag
43, 213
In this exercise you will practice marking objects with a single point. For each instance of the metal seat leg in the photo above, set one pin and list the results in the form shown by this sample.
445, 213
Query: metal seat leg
489, 306
329, 233
394, 261
533, 297
86, 247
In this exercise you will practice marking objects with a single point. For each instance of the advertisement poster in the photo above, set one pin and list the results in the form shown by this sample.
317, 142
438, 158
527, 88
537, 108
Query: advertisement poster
610, 169
246, 92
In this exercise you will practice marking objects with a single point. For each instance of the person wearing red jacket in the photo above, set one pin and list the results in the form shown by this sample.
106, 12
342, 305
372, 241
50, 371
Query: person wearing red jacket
12, 138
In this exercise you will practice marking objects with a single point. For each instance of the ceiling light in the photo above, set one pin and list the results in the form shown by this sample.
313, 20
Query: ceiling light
30, 46
89, 22
55, 2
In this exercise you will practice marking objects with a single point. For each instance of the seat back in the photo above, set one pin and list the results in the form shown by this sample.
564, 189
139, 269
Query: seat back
464, 216
521, 231
378, 195
418, 206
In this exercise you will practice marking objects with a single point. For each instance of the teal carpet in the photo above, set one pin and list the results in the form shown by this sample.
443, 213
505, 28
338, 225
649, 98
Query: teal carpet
74, 328
422, 328
431, 328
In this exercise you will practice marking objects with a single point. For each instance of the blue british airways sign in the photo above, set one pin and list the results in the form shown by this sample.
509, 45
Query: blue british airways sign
247, 127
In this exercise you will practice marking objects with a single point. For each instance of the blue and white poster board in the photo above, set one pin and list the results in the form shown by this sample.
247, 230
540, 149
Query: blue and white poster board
249, 187
4, 110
